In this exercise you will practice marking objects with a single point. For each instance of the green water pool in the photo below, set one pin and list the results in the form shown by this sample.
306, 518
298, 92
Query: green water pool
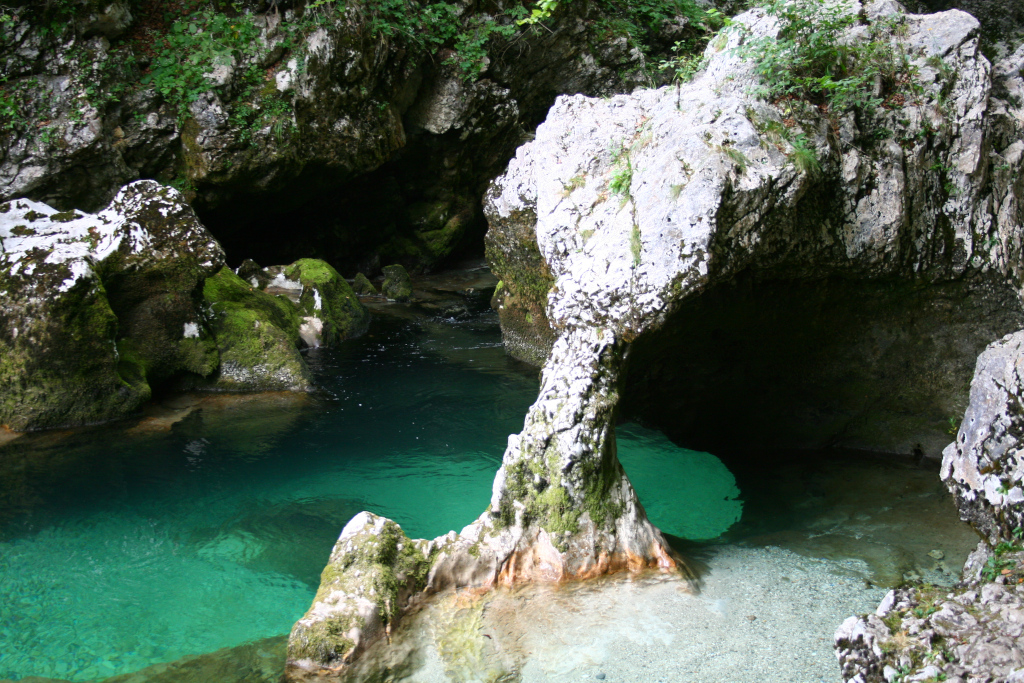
205, 525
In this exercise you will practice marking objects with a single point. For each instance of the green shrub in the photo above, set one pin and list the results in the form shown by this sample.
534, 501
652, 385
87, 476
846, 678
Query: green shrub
811, 61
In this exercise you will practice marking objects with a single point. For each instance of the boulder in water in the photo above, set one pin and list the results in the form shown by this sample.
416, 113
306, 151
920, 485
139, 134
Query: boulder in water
397, 283
330, 310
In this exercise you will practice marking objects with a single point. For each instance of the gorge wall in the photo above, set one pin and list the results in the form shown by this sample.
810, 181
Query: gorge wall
368, 132
631, 225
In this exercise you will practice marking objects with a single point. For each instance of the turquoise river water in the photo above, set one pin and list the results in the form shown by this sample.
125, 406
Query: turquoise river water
205, 523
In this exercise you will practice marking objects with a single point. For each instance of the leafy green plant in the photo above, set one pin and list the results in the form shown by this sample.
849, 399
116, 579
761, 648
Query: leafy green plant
685, 63
804, 156
622, 177
994, 567
471, 45
811, 61
193, 47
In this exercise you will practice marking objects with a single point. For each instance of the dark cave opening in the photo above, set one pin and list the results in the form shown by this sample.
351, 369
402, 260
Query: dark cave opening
422, 208
759, 365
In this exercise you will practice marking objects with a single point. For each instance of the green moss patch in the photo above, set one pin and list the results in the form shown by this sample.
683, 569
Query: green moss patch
256, 335
327, 296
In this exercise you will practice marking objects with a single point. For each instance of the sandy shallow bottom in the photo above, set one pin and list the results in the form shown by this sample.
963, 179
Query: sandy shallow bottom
762, 614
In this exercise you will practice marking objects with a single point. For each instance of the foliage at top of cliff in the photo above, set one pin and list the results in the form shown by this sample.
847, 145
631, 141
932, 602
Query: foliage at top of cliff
175, 46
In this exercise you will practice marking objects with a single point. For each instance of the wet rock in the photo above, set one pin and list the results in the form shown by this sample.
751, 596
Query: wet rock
362, 285
397, 285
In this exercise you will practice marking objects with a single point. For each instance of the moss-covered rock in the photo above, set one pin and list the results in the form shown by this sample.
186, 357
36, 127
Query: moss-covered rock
362, 285
251, 272
257, 335
373, 571
58, 360
331, 311
96, 308
521, 301
155, 284
438, 229
397, 283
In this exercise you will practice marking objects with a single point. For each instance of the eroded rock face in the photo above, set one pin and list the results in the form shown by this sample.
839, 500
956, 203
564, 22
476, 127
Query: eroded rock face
96, 307
300, 111
984, 467
928, 213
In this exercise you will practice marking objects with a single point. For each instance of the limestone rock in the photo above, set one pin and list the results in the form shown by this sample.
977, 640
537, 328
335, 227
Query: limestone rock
96, 307
257, 335
373, 572
966, 634
984, 467
637, 204
397, 285
329, 308
691, 192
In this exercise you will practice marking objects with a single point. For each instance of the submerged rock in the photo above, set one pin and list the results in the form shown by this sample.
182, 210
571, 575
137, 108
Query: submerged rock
397, 285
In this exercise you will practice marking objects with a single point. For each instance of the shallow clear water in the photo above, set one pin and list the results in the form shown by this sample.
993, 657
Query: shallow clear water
205, 524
